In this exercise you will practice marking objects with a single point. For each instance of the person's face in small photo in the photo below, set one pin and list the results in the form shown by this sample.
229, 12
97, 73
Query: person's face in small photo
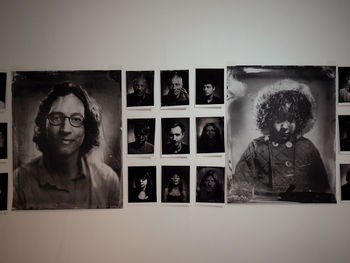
175, 179
176, 136
141, 137
143, 183
209, 183
140, 87
64, 138
176, 85
210, 132
208, 89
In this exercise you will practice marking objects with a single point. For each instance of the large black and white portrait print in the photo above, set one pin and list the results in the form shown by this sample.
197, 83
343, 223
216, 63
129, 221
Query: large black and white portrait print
280, 134
67, 139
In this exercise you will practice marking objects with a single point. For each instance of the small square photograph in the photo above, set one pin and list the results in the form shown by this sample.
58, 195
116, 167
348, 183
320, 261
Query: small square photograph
344, 132
141, 136
210, 184
209, 86
2, 90
140, 88
175, 184
3, 141
344, 84
175, 136
3, 191
210, 135
142, 182
174, 88
345, 181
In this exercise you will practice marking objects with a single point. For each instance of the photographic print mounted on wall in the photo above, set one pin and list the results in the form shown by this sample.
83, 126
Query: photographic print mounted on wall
3, 142
67, 139
280, 134
139, 88
210, 185
345, 181
3, 77
142, 181
344, 133
141, 136
3, 191
209, 87
175, 136
174, 86
344, 85
175, 184
210, 135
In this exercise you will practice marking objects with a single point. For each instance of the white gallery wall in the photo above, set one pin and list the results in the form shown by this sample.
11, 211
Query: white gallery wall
156, 35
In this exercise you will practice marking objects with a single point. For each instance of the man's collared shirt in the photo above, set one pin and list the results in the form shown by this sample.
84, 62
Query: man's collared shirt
96, 186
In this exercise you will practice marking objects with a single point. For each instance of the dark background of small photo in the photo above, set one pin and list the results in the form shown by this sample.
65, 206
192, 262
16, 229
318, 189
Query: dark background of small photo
183, 172
219, 123
220, 174
149, 75
343, 72
3, 146
213, 76
344, 132
136, 171
3, 86
166, 122
165, 79
131, 125
4, 190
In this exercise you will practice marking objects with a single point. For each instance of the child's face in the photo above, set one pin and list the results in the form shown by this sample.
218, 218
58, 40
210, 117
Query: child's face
283, 129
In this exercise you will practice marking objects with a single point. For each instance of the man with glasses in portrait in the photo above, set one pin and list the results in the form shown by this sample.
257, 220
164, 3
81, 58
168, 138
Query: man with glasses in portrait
65, 175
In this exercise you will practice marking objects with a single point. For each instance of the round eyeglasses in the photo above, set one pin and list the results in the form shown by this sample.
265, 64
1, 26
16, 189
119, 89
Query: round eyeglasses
58, 118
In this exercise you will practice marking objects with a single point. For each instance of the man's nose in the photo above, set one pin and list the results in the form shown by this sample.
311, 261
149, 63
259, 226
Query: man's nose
66, 126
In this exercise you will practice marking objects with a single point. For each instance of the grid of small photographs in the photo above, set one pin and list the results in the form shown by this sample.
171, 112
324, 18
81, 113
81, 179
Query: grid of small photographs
3, 143
170, 110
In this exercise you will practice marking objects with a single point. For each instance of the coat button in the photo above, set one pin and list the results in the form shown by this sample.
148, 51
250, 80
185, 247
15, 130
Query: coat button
288, 164
289, 144
275, 144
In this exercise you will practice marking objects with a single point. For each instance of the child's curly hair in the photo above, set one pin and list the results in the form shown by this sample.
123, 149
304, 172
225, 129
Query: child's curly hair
286, 98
